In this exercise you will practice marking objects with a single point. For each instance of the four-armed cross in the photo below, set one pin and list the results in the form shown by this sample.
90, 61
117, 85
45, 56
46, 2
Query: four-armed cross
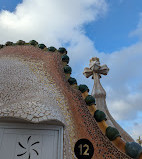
94, 67
95, 70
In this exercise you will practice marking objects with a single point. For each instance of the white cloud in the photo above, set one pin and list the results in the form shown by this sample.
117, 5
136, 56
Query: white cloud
138, 31
58, 22
127, 107
125, 66
52, 22
136, 130
124, 96
124, 81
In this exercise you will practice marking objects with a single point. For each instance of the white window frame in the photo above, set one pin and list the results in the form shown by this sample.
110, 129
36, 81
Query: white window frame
38, 126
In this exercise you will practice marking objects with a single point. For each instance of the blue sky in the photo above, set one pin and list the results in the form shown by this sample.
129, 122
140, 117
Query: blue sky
9, 5
112, 31
108, 29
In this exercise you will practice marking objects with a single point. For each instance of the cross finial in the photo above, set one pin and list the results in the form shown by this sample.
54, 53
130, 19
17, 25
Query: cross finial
94, 67
139, 140
96, 70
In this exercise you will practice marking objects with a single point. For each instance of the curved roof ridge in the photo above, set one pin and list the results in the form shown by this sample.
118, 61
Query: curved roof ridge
131, 149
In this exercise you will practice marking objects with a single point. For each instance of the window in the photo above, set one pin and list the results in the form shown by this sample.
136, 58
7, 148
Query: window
31, 141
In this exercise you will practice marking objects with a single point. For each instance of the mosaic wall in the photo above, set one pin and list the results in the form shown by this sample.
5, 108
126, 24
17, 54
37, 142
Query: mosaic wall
28, 92
33, 87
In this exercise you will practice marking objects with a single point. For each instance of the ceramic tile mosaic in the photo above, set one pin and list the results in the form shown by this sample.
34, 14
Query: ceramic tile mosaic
33, 88
26, 93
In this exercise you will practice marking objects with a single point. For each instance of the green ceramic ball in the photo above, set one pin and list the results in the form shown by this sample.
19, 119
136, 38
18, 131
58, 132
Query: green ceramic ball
33, 42
67, 69
41, 46
1, 46
62, 50
90, 100
8, 43
99, 115
83, 88
133, 149
51, 48
112, 133
65, 58
72, 81
20, 42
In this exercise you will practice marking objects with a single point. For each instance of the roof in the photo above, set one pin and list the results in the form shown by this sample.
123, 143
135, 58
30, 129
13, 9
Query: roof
36, 86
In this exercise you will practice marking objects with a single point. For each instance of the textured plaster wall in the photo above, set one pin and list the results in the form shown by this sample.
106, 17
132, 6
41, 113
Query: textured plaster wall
28, 92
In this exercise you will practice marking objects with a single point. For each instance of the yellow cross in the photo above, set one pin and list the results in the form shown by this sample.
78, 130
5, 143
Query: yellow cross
139, 140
